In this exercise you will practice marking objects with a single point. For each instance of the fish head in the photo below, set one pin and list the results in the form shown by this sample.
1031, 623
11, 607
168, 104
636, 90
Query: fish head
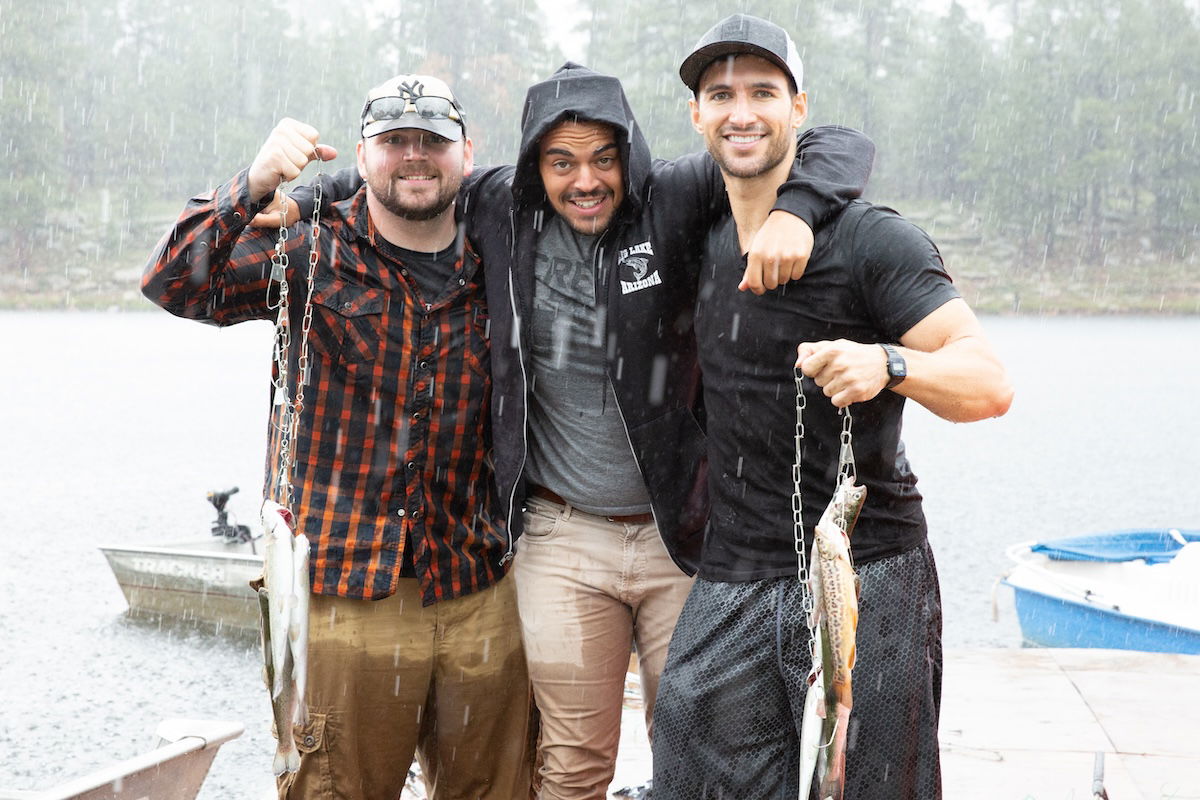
276, 519
848, 501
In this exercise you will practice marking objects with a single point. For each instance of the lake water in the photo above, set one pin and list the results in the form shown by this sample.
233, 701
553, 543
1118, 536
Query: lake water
117, 424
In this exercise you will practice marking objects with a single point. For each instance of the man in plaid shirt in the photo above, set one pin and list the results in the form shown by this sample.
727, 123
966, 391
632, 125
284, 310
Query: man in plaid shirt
414, 639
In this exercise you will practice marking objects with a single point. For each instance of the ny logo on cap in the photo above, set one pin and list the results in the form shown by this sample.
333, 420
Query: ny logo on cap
411, 89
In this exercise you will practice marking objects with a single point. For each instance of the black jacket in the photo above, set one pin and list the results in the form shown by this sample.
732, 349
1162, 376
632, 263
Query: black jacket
646, 269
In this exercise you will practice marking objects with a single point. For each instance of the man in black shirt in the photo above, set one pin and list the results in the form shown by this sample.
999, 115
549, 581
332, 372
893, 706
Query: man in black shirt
728, 717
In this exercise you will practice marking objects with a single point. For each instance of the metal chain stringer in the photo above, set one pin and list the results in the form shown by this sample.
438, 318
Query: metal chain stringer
846, 471
289, 418
797, 495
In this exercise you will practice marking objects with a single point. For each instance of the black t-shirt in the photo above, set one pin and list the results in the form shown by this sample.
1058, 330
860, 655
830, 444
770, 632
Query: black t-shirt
872, 276
431, 271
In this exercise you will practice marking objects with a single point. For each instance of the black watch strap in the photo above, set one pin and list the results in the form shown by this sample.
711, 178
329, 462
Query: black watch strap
897, 369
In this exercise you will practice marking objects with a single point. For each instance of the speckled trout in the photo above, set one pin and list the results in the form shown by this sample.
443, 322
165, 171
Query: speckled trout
284, 603
835, 610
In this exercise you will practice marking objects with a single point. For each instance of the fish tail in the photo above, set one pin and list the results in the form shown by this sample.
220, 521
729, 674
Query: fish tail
286, 760
833, 781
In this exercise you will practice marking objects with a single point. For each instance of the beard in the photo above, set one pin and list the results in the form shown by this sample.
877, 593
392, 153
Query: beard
388, 190
778, 148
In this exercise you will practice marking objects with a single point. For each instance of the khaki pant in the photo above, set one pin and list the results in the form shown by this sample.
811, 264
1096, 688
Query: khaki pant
588, 589
388, 678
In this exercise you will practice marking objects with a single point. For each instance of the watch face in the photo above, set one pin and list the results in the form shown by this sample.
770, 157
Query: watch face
896, 368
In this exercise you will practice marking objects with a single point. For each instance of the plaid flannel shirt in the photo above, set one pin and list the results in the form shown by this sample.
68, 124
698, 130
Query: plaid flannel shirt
390, 452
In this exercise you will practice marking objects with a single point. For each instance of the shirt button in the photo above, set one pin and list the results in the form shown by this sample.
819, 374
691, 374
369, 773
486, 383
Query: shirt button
462, 282
347, 305
400, 513
412, 465
404, 272
424, 365
416, 415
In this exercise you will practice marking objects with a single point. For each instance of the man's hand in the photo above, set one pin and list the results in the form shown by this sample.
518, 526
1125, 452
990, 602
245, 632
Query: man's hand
287, 151
269, 216
848, 372
778, 253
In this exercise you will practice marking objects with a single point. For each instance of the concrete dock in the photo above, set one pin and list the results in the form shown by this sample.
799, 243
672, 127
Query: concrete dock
1025, 724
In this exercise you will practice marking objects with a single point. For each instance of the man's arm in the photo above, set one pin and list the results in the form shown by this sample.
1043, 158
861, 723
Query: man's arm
209, 266
835, 164
897, 273
952, 369
341, 185
483, 183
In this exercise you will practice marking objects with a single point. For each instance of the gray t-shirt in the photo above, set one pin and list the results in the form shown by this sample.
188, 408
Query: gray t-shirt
578, 447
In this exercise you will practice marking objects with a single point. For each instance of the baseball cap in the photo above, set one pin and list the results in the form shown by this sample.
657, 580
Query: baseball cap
742, 33
413, 101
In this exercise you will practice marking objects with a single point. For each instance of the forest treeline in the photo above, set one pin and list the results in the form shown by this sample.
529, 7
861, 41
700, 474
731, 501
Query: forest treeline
1070, 129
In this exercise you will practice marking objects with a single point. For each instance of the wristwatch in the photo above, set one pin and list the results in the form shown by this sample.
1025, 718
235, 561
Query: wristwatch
897, 369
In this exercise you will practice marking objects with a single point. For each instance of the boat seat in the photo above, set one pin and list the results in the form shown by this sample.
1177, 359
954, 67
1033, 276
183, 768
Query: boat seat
173, 770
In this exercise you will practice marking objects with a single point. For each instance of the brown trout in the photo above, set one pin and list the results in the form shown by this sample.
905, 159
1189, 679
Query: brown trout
834, 587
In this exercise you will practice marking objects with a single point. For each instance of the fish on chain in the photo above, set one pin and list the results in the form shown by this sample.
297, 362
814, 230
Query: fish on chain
284, 604
834, 587
287, 757
298, 624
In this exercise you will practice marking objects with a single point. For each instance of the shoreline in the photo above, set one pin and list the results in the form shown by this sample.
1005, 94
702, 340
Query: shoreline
93, 268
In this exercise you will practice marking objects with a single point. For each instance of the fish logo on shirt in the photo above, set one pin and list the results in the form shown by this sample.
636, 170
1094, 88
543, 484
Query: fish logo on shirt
633, 265
638, 265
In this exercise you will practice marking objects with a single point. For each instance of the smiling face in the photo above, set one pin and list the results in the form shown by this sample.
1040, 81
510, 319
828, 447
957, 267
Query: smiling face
413, 173
581, 172
745, 109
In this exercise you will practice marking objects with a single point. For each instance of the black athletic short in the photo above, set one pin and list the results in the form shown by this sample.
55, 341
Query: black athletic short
727, 718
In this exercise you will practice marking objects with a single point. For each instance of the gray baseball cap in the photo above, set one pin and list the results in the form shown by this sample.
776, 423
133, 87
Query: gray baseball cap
413, 101
742, 33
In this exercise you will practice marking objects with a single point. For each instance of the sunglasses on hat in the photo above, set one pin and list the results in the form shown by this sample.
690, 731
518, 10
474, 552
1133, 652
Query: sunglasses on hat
427, 107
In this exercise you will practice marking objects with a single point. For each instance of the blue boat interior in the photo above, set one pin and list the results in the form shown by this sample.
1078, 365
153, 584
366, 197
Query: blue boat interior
1155, 546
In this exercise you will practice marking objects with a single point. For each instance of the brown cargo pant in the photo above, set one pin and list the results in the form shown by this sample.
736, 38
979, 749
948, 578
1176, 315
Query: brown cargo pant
390, 678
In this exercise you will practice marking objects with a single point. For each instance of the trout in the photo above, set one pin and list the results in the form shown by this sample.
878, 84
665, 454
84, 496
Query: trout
285, 629
287, 757
834, 587
298, 625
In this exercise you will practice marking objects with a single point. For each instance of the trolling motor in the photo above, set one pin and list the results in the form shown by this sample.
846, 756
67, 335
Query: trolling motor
221, 527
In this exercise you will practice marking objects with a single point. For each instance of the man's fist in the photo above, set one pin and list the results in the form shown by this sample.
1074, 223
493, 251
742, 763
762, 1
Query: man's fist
285, 154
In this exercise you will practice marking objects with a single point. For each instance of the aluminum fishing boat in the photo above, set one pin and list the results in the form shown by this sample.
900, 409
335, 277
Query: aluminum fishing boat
1124, 590
204, 581
175, 768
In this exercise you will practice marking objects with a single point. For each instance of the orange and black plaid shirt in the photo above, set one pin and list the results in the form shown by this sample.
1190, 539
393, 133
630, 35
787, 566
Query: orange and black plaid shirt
391, 476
